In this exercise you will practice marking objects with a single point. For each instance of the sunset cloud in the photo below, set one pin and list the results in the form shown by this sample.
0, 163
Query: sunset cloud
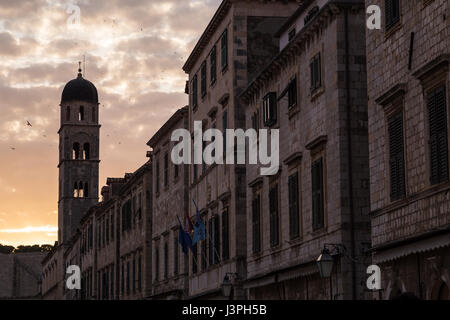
31, 229
134, 51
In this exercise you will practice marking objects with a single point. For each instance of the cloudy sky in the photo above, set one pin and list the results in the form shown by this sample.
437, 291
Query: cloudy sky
134, 51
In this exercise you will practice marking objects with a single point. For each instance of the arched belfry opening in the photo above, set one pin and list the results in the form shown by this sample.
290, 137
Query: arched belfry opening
81, 114
76, 151
86, 151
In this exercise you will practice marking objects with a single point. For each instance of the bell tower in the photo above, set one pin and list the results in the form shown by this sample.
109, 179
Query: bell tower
78, 154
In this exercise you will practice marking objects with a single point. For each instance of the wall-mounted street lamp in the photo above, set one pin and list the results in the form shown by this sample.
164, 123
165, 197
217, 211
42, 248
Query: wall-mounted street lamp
227, 285
325, 262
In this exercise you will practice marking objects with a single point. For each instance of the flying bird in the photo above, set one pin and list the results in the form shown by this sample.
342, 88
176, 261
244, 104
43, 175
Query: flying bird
12, 148
29, 124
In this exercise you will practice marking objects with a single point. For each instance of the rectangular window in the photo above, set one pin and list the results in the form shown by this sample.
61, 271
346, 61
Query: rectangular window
156, 262
270, 109
214, 240
316, 72
157, 176
213, 64
112, 282
292, 93
225, 235
195, 92
128, 277
166, 170
437, 123
140, 206
107, 231
204, 251
175, 256
133, 283
224, 128
224, 49
166, 260
294, 225
210, 238
396, 158
317, 194
175, 171
112, 227
392, 12
256, 223
140, 272
274, 218
203, 79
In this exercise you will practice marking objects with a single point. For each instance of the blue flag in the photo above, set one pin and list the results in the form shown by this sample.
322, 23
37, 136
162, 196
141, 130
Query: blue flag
199, 228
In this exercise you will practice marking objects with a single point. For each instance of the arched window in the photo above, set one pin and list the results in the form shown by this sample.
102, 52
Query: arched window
68, 113
93, 114
86, 190
86, 151
80, 190
75, 190
81, 114
76, 151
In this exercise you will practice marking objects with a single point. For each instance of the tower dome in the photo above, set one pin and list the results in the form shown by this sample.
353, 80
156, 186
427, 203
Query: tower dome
79, 89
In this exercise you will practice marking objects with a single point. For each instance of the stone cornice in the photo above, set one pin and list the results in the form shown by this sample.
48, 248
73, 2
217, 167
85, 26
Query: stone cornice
296, 46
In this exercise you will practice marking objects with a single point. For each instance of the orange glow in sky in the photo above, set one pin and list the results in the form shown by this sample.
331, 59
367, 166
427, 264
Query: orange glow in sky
134, 52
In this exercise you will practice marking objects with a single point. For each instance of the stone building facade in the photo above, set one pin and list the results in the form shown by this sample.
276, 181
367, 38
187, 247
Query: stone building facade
170, 198
363, 143
408, 89
135, 234
314, 93
237, 43
21, 275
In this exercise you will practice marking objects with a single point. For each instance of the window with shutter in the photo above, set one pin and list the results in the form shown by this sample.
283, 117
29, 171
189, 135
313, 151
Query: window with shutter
224, 49
216, 241
224, 129
396, 157
438, 141
203, 79
274, 219
203, 251
156, 263
225, 235
166, 170
317, 194
270, 109
256, 224
176, 251
294, 228
292, 93
316, 72
392, 12
166, 262
213, 65
194, 92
